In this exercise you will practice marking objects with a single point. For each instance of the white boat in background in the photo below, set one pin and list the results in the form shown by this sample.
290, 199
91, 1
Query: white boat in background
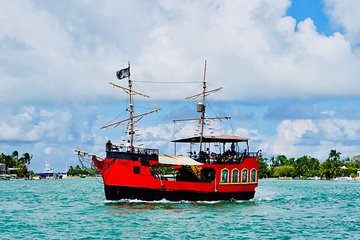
49, 172
343, 179
314, 178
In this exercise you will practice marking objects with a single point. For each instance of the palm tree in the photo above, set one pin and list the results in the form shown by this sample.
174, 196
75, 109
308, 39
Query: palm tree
331, 167
334, 155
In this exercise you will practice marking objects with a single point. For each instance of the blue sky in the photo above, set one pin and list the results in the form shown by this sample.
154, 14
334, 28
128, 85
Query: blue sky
289, 72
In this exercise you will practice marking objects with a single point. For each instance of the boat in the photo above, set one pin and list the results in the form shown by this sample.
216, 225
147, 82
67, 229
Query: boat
49, 173
221, 168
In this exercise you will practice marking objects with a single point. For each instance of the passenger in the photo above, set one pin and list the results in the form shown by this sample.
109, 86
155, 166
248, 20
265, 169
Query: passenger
108, 146
231, 158
127, 146
232, 148
208, 152
213, 158
195, 157
202, 157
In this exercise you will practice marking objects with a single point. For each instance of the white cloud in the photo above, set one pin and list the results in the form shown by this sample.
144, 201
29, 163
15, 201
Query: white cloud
53, 54
345, 14
331, 133
252, 45
289, 133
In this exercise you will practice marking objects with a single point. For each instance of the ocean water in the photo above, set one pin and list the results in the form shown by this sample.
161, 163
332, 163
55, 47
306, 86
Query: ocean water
281, 209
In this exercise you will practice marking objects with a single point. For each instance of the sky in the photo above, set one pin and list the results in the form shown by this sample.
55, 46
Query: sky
289, 71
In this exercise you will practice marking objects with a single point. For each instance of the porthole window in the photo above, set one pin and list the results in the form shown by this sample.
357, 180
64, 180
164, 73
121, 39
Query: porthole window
235, 176
224, 176
244, 177
137, 170
253, 175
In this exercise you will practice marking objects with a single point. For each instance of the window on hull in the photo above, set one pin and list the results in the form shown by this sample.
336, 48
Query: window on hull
207, 174
253, 175
244, 176
137, 170
225, 176
235, 176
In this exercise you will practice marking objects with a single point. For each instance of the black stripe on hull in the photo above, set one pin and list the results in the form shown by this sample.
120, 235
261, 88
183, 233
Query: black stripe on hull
146, 194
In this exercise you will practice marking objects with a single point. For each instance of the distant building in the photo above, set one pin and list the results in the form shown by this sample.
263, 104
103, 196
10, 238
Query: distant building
2, 167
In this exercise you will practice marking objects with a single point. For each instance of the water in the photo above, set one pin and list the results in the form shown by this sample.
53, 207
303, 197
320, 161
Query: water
76, 209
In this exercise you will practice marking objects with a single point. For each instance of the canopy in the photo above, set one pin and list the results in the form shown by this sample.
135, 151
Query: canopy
177, 160
207, 139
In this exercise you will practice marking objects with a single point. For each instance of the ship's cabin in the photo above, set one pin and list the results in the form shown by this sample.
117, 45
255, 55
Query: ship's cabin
219, 149
226, 156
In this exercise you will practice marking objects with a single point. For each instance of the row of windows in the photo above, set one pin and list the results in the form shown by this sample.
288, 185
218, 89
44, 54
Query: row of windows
225, 177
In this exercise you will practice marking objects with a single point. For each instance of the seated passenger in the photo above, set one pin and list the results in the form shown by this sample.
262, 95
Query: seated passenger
213, 157
231, 158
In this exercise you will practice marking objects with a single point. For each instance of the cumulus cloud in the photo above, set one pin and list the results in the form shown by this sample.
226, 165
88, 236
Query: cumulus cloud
289, 133
345, 15
293, 137
248, 44
57, 57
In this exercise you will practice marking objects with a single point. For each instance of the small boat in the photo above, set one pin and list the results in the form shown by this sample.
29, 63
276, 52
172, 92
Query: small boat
343, 179
223, 168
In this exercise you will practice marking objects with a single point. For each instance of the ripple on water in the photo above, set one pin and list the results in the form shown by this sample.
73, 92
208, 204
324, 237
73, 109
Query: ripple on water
75, 208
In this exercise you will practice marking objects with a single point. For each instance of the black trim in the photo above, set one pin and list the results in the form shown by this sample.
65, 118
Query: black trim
144, 158
118, 193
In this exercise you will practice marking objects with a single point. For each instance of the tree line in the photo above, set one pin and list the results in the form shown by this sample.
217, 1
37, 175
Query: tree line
18, 163
274, 167
307, 166
82, 171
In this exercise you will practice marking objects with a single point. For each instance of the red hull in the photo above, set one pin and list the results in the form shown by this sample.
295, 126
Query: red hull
125, 178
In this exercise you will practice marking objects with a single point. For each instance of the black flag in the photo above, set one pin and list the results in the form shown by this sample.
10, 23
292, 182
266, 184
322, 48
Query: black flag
123, 73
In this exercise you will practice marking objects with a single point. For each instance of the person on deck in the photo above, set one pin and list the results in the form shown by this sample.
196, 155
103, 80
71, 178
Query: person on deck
195, 156
232, 148
127, 146
108, 146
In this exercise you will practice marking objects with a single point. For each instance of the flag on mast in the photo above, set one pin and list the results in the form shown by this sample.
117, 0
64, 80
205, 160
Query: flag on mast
123, 73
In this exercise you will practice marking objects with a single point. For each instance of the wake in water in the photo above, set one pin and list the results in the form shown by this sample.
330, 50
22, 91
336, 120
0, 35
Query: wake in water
171, 202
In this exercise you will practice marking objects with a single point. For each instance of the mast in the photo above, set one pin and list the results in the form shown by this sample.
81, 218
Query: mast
131, 111
132, 117
203, 108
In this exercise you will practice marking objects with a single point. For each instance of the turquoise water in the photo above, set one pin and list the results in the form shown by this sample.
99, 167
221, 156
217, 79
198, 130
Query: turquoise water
76, 209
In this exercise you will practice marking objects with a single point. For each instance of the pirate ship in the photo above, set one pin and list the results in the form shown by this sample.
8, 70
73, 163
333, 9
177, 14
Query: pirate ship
215, 168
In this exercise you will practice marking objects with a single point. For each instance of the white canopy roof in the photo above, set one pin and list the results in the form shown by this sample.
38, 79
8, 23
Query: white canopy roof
177, 160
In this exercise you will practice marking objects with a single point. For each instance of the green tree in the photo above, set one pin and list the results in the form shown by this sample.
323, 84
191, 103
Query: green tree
70, 171
279, 160
284, 171
264, 171
307, 166
13, 161
331, 168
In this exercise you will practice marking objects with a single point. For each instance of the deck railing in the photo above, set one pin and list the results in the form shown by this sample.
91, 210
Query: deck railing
136, 150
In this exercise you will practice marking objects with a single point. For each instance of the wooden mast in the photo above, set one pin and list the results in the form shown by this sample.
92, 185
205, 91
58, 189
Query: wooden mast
203, 108
131, 111
132, 116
